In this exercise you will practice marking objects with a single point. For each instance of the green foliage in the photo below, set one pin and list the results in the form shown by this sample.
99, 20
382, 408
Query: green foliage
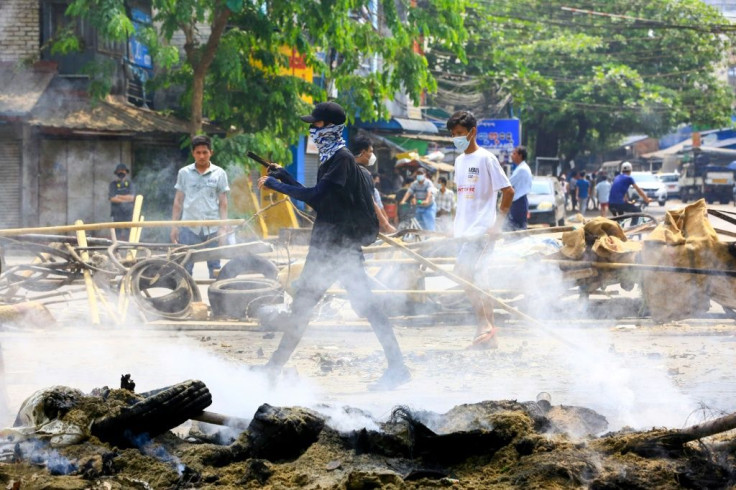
248, 89
100, 74
581, 81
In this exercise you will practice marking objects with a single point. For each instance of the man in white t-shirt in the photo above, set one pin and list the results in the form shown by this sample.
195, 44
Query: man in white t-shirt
479, 178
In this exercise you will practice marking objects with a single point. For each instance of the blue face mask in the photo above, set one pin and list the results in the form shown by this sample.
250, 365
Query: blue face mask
461, 143
420, 178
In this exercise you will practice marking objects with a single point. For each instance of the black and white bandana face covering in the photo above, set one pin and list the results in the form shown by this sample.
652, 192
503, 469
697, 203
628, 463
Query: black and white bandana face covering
328, 140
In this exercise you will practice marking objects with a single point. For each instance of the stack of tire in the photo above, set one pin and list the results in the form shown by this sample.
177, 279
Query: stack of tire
232, 296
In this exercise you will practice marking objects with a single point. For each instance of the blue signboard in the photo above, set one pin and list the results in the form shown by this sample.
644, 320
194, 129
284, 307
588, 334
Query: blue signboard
500, 136
139, 54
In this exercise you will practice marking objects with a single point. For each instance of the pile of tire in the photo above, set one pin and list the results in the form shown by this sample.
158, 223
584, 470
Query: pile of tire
231, 296
162, 275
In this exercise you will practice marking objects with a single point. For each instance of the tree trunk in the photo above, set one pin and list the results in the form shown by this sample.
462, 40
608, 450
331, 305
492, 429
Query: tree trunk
202, 65
547, 144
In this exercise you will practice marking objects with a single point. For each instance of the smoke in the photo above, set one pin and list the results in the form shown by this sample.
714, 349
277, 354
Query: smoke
38, 452
576, 362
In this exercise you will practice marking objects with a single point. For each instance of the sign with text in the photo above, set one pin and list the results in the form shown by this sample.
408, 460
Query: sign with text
500, 136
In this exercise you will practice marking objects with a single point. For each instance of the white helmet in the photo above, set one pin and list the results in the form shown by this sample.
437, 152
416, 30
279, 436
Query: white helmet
626, 166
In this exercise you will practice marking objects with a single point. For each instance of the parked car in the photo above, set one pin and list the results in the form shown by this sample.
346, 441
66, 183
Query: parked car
654, 188
671, 183
546, 202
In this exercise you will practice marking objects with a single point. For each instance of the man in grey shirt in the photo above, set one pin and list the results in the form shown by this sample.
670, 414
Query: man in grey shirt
201, 194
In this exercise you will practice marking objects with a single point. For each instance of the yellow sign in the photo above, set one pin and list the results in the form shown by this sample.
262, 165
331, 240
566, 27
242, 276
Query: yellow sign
297, 68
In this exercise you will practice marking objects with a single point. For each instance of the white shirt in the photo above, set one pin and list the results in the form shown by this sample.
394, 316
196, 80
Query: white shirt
521, 180
479, 177
603, 191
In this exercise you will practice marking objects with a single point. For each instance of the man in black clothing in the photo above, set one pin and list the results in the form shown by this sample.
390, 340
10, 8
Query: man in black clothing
121, 194
342, 200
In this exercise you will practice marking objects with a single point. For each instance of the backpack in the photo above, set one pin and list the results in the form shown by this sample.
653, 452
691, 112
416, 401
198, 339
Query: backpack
363, 227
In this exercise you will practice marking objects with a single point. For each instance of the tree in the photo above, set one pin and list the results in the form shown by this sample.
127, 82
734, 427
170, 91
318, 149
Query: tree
581, 80
235, 76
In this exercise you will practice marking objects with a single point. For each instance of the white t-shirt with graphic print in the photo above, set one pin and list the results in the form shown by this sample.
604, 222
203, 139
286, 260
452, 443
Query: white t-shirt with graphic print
479, 177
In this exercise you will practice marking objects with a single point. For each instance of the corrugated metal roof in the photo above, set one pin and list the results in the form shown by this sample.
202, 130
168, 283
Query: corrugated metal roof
112, 115
20, 88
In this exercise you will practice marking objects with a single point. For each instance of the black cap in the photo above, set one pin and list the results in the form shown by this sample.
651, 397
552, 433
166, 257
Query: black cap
121, 166
329, 112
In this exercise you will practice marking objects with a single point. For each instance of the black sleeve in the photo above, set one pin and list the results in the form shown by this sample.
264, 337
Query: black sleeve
310, 195
111, 190
284, 176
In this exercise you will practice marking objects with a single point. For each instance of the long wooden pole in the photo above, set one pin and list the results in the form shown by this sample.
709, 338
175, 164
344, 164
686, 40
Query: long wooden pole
91, 294
119, 224
459, 280
447, 241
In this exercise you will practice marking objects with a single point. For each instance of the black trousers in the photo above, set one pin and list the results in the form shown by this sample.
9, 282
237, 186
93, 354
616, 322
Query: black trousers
323, 267
623, 208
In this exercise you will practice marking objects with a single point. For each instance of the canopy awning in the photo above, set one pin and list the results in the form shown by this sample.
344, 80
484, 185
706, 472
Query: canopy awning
399, 124
413, 159
611, 164
672, 150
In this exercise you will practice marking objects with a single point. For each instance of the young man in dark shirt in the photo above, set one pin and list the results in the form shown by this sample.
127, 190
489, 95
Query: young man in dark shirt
341, 197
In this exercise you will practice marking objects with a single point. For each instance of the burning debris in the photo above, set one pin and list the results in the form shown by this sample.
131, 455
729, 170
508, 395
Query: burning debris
494, 443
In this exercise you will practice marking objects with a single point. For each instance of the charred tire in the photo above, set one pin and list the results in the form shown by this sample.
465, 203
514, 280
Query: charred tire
240, 298
154, 415
160, 273
248, 264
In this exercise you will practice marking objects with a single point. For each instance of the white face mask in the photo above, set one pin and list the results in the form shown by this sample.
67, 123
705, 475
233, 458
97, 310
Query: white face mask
461, 143
372, 160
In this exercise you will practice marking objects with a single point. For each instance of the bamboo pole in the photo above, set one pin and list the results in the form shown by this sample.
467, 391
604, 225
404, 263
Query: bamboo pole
645, 267
91, 296
448, 241
722, 215
135, 233
436, 260
457, 279
415, 291
119, 224
135, 236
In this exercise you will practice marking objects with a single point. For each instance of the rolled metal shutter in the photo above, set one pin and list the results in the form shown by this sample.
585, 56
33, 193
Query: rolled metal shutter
10, 159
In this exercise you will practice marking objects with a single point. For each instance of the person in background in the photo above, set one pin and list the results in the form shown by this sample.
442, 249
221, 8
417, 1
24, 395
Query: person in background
582, 189
521, 181
603, 192
445, 199
201, 194
392, 183
478, 178
121, 193
572, 183
362, 150
404, 210
618, 199
565, 189
422, 193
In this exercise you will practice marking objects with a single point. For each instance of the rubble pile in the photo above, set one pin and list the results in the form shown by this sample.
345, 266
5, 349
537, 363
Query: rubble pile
492, 444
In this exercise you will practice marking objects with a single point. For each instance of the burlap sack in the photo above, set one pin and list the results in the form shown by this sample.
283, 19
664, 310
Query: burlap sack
685, 239
610, 245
